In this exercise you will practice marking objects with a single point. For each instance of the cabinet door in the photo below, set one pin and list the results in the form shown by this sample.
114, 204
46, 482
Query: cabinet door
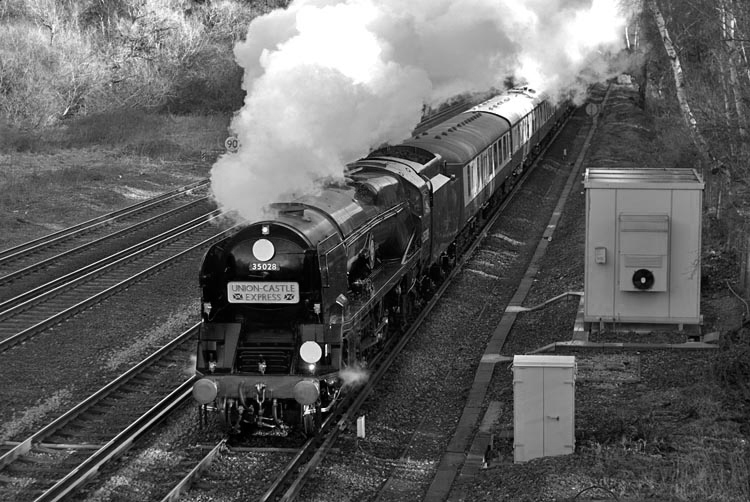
528, 404
559, 395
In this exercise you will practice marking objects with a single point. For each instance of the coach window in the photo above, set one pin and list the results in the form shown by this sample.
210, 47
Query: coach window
477, 175
470, 177
508, 147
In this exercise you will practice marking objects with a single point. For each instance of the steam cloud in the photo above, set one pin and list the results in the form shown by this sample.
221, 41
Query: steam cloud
353, 376
327, 80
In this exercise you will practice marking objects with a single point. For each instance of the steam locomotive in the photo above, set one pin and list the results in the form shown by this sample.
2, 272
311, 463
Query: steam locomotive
290, 303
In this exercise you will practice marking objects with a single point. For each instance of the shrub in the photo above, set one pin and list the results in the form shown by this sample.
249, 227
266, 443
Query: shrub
62, 58
42, 82
732, 366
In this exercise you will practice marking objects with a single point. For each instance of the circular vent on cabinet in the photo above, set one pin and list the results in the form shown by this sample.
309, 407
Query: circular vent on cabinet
643, 279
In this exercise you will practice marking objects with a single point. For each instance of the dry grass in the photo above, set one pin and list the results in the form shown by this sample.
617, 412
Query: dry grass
68, 174
132, 132
680, 442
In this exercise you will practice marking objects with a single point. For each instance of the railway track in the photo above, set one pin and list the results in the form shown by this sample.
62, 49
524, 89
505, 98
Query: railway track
57, 459
33, 264
31, 313
53, 462
47, 242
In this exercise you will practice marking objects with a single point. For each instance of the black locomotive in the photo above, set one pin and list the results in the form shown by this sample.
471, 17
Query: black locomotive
289, 303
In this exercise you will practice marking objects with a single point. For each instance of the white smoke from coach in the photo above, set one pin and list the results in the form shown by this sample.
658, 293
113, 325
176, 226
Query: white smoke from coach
327, 80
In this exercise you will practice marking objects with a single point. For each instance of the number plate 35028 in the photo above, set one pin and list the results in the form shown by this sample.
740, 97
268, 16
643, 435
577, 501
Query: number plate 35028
255, 267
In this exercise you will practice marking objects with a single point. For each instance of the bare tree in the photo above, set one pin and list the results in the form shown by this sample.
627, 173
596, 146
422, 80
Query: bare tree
47, 13
679, 78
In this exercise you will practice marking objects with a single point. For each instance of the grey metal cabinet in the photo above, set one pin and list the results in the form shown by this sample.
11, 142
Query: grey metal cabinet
543, 406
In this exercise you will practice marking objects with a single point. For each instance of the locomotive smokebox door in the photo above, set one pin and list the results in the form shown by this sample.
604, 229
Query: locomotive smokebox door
643, 247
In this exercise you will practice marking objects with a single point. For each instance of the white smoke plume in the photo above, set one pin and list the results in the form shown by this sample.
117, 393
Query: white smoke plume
353, 376
327, 80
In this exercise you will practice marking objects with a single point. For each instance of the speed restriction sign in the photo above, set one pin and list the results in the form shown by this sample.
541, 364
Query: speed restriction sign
592, 109
232, 143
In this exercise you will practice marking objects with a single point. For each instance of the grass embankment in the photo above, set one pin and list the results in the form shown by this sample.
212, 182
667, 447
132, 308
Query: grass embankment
56, 177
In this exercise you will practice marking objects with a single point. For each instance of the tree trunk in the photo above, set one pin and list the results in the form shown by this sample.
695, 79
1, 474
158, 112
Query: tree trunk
729, 31
707, 159
679, 81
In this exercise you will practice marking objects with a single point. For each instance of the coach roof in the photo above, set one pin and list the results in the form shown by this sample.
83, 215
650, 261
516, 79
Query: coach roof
461, 138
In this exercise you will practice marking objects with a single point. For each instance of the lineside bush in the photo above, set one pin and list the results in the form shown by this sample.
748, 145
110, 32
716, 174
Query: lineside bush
70, 58
732, 366
40, 82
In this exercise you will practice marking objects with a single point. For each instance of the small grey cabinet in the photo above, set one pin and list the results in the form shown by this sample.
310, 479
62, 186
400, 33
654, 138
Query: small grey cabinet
543, 406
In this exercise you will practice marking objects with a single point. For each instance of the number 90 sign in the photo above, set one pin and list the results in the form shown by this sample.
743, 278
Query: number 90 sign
232, 143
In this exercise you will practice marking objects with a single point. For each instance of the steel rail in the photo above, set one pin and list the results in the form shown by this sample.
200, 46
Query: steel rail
66, 233
118, 445
69, 280
25, 446
92, 244
184, 484
29, 332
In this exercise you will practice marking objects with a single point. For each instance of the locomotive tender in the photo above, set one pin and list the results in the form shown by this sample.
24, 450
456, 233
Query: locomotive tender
291, 302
